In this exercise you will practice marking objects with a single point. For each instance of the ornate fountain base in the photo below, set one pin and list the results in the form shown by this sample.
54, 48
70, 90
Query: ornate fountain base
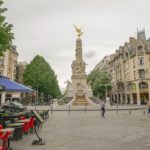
80, 100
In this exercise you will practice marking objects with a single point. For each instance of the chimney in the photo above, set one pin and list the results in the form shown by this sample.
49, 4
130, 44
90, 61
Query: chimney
141, 35
131, 39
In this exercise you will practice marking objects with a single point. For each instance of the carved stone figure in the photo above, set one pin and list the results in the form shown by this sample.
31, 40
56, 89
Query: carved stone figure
78, 30
79, 78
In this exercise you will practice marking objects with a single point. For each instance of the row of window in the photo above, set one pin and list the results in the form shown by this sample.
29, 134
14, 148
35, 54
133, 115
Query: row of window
140, 50
131, 86
141, 74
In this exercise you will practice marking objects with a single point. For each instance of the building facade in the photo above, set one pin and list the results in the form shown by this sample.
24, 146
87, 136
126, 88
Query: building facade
8, 63
21, 66
129, 69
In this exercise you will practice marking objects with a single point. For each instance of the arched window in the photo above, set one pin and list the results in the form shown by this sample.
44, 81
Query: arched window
120, 86
127, 55
131, 86
143, 85
140, 49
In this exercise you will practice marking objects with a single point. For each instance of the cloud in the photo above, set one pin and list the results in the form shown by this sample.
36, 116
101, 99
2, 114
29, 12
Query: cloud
90, 54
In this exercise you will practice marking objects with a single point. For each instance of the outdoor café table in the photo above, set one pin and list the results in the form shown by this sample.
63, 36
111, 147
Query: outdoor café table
23, 121
5, 130
16, 124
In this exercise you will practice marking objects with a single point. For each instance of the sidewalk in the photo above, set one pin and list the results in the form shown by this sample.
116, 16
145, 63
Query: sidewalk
89, 131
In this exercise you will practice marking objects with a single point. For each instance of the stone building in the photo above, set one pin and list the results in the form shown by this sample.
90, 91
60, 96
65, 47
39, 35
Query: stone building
130, 72
8, 63
21, 66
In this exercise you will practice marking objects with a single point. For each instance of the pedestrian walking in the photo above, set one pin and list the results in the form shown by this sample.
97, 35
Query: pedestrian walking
103, 109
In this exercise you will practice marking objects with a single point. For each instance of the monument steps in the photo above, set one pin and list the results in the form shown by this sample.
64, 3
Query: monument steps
80, 101
80, 104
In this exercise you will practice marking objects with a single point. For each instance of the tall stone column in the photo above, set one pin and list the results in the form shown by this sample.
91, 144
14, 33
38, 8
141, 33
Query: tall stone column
79, 85
125, 95
131, 98
79, 50
138, 94
117, 96
121, 98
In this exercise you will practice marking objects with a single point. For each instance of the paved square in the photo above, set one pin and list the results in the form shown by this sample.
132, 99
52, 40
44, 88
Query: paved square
89, 131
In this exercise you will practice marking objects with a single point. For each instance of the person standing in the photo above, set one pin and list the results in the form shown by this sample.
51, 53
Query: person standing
103, 109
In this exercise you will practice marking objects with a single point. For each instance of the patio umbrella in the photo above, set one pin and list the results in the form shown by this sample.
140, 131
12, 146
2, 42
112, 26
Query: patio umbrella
12, 86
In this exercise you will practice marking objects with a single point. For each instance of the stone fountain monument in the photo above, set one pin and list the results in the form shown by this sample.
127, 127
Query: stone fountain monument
79, 88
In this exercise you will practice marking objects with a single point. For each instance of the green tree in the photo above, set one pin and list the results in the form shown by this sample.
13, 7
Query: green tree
99, 82
6, 35
39, 75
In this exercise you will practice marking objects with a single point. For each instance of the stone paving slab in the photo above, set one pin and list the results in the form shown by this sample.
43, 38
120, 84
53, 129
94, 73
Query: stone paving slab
89, 131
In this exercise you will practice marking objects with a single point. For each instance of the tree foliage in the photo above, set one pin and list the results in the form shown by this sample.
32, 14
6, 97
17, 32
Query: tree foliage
99, 82
6, 35
40, 76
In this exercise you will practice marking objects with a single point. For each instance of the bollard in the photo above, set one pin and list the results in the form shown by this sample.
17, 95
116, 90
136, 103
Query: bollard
85, 108
69, 109
52, 109
130, 112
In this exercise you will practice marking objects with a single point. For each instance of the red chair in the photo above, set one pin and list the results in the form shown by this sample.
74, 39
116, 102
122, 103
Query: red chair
1, 127
31, 123
4, 138
26, 127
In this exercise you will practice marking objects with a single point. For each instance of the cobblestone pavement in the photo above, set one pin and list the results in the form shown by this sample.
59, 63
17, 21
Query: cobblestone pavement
89, 131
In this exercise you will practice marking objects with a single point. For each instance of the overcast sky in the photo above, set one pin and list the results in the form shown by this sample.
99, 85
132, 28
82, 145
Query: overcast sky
45, 27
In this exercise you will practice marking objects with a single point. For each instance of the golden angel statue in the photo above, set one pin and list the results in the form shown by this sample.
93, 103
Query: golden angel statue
78, 30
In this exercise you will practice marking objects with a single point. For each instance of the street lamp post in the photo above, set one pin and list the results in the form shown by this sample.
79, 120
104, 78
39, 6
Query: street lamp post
106, 91
36, 101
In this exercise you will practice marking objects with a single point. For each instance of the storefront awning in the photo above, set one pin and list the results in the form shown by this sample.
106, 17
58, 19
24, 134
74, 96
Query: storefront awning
12, 86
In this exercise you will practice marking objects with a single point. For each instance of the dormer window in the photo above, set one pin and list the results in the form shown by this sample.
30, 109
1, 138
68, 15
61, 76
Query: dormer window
140, 49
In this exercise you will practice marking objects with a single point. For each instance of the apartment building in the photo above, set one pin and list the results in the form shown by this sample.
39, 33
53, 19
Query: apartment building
129, 69
8, 63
